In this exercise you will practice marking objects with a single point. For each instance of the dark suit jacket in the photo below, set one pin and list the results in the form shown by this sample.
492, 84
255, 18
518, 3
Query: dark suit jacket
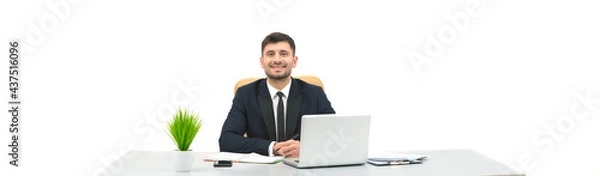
252, 113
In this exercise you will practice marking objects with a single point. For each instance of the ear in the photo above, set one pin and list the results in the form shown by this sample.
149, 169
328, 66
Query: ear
262, 65
295, 61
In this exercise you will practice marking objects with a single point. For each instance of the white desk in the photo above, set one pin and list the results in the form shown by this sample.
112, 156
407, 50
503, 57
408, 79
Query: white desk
443, 162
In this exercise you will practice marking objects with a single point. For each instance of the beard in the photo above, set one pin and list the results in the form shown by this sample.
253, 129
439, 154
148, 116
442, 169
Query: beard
280, 76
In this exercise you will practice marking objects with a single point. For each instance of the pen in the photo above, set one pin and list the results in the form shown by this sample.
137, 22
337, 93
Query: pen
296, 137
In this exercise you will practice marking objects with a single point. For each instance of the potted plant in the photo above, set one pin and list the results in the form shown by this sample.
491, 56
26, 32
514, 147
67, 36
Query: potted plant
182, 129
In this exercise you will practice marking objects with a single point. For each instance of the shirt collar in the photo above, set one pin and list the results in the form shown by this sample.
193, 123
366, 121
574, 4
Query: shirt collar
273, 91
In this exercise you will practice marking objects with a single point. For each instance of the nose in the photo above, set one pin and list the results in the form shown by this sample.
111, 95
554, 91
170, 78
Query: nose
277, 59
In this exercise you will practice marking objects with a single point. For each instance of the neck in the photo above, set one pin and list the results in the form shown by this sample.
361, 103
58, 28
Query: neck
279, 83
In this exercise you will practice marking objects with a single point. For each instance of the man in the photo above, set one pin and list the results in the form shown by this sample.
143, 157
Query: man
269, 110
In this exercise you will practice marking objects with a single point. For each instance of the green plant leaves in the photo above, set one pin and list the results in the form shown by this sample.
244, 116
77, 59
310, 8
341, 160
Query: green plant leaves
183, 128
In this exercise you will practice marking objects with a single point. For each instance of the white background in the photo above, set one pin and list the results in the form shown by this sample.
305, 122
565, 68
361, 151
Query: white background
102, 76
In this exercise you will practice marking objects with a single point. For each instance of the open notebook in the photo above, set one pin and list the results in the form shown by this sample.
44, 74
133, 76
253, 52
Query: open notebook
243, 158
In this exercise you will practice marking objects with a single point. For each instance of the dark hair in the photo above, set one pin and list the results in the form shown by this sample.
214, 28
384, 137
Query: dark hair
276, 37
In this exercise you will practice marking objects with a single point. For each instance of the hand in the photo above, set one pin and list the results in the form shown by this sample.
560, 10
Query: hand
288, 149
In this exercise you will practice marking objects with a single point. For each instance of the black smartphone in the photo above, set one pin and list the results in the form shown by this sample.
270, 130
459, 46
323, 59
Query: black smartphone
222, 163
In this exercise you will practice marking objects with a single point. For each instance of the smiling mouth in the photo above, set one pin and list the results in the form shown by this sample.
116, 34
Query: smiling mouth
277, 67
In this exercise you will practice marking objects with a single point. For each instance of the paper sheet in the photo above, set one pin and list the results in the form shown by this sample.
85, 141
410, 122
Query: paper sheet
244, 158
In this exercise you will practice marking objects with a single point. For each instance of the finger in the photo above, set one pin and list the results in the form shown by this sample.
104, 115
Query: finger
292, 153
291, 141
288, 149
283, 151
285, 143
277, 147
281, 144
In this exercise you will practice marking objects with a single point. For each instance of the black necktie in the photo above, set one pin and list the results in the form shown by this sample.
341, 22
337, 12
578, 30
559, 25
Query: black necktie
280, 124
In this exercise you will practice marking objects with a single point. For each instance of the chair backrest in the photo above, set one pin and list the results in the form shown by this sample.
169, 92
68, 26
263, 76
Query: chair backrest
306, 78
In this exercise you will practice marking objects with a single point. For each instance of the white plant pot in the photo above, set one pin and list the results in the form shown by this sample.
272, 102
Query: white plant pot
182, 161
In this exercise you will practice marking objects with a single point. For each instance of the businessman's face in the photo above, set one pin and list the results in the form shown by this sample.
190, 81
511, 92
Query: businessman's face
278, 60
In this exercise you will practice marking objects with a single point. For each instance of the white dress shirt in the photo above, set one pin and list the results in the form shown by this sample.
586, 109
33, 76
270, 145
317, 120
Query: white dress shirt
273, 91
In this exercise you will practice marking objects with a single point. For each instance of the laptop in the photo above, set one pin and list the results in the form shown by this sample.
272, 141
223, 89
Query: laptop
332, 140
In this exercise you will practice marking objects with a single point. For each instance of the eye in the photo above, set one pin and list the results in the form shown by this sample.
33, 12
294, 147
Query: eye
284, 54
270, 54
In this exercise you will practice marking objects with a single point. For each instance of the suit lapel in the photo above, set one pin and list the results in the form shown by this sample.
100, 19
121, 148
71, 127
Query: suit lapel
266, 107
293, 109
